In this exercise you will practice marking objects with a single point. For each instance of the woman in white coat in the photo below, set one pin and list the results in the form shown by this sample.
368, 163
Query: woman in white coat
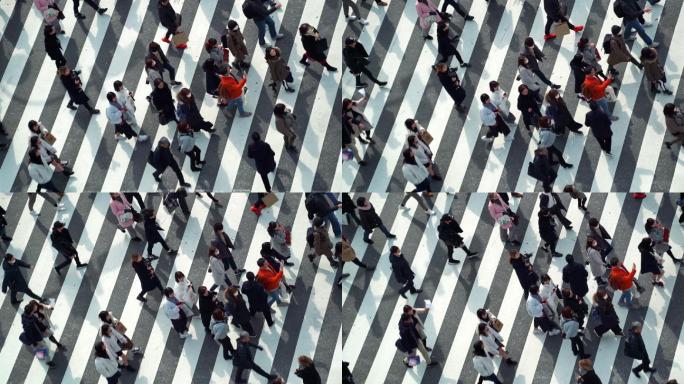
125, 97
217, 270
185, 292
416, 173
500, 101
423, 155
549, 291
114, 341
483, 364
493, 343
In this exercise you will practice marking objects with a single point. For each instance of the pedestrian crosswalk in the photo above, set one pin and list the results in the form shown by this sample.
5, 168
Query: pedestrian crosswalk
305, 327
491, 43
112, 47
372, 306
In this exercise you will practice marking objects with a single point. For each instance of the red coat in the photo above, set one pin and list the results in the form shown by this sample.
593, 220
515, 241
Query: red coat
230, 88
269, 278
595, 88
621, 279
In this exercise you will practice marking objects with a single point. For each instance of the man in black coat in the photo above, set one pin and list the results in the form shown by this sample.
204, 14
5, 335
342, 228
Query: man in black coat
635, 348
152, 234
449, 231
64, 244
551, 201
243, 359
402, 272
3, 225
600, 123
162, 158
14, 280
555, 12
598, 233
222, 242
370, 220
542, 165
257, 11
576, 275
349, 209
547, 231
74, 88
264, 158
324, 205
257, 298
53, 47
356, 58
168, 18
92, 3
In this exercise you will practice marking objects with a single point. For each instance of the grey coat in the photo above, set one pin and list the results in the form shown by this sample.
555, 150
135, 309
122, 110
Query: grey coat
278, 244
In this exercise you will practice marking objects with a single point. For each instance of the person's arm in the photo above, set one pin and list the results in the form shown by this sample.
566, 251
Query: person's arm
22, 264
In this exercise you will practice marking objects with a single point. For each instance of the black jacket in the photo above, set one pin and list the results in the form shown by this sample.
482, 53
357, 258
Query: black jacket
599, 123
239, 311
53, 47
167, 16
348, 205
243, 355
74, 90
223, 243
31, 328
553, 9
260, 10
631, 9
446, 44
590, 377
649, 264
145, 271
63, 242
634, 346
256, 295
543, 165
314, 49
13, 278
534, 56
152, 229
409, 336
163, 158
207, 303
163, 101
547, 228
562, 117
401, 269
576, 275
309, 375
355, 57
3, 221
263, 155
606, 312
545, 202
445, 78
369, 219
449, 233
193, 116
319, 204
526, 274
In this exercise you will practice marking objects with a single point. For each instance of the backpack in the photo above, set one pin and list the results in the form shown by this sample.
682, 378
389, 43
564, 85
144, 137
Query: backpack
310, 237
606, 43
617, 9
171, 201
249, 9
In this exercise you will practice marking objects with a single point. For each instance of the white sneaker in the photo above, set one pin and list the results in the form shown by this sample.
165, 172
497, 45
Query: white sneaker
647, 24
60, 206
430, 212
654, 44
34, 213
283, 303
554, 332
363, 21
142, 138
273, 310
184, 335
537, 331
351, 18
119, 137
488, 139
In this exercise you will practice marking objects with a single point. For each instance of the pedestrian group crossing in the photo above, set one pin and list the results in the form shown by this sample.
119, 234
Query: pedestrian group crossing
306, 326
372, 306
491, 44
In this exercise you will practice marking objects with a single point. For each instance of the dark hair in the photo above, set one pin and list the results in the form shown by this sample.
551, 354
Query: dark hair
478, 349
521, 61
103, 316
529, 42
534, 289
250, 276
183, 126
178, 276
256, 136
201, 290
645, 245
218, 227
481, 328
232, 24
484, 97
217, 314
57, 225
409, 158
168, 291
566, 312
279, 109
614, 261
593, 222
669, 109
615, 30
649, 223
9, 256
394, 249
361, 201
304, 28
157, 82
106, 328
492, 85
100, 350
152, 46
482, 314
545, 277
409, 123
522, 87
593, 105
111, 96
211, 43
582, 42
544, 122
569, 259
118, 85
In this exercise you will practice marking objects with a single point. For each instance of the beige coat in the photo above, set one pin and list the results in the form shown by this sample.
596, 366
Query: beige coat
653, 70
277, 68
619, 53
348, 253
236, 45
322, 244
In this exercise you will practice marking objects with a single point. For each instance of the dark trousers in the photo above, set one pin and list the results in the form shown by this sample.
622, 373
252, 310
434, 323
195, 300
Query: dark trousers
194, 154
552, 245
150, 245
447, 59
172, 70
228, 349
247, 327
408, 286
137, 196
551, 20
356, 261
561, 217
456, 6
77, 5
27, 291
176, 170
68, 261
604, 143
157, 286
351, 216
170, 32
555, 151
181, 323
368, 73
644, 366
542, 77
577, 345
264, 179
125, 129
60, 61
603, 328
346, 4
544, 323
32, 199
261, 27
114, 379
383, 228
450, 248
266, 312
491, 377
253, 367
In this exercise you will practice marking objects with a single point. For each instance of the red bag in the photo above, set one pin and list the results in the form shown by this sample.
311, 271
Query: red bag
639, 195
666, 235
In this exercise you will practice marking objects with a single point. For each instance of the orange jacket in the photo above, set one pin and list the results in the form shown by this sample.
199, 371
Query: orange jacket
621, 279
269, 278
595, 87
230, 88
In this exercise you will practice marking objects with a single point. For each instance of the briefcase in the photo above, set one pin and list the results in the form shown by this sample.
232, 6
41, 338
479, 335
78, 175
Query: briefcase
561, 29
50, 138
269, 199
180, 38
426, 137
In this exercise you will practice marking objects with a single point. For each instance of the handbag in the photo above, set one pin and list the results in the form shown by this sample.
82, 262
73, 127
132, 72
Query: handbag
127, 216
120, 327
561, 29
269, 199
49, 138
496, 324
289, 78
179, 38
425, 137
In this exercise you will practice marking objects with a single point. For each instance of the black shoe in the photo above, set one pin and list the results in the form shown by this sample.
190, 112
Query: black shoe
186, 185
288, 264
453, 261
568, 227
555, 86
650, 370
304, 61
311, 258
636, 373
129, 368
79, 15
7, 238
51, 364
362, 163
102, 10
368, 241
361, 85
58, 272
94, 111
196, 169
136, 239
71, 106
330, 68
566, 165
428, 37
227, 357
417, 291
437, 177
141, 298
172, 252
403, 294
382, 83
557, 254
585, 356
510, 361
668, 145
465, 65
428, 349
392, 236
153, 257
82, 265
469, 18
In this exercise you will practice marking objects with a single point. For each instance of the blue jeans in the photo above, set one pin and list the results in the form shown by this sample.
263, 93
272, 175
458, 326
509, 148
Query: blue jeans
274, 296
366, 234
261, 25
603, 104
337, 230
236, 103
636, 25
626, 297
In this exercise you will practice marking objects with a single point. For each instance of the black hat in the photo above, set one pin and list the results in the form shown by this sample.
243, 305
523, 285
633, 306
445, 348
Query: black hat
349, 40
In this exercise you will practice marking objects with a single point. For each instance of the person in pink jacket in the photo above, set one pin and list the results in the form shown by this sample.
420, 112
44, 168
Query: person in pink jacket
42, 5
125, 214
502, 214
427, 15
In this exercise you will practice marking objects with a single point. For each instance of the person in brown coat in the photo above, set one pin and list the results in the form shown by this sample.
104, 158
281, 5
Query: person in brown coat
285, 124
322, 245
653, 70
345, 253
235, 43
674, 121
280, 72
619, 52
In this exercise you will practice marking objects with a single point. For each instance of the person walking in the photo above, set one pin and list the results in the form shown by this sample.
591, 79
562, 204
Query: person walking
597, 232
74, 87
258, 11
546, 140
314, 47
428, 14
543, 168
483, 364
578, 195
281, 239
540, 312
187, 111
449, 232
231, 92
416, 174
556, 12
3, 226
552, 202
636, 349
218, 270
91, 3
116, 114
587, 374
493, 343
595, 90
452, 85
447, 45
264, 158
285, 123
571, 331
590, 56
600, 124
349, 209
162, 159
632, 11
561, 115
660, 237
185, 292
597, 262
235, 306
163, 102
146, 274
370, 220
491, 117
161, 62
504, 216
207, 302
527, 105
186, 139
534, 55
547, 231
244, 360
152, 234
170, 20
14, 280
402, 272
280, 72
651, 262
345, 253
579, 68
307, 371
608, 318
235, 42
173, 308
356, 59
458, 8
126, 216
257, 297
53, 47
619, 52
125, 98
346, 5
64, 244
211, 77
222, 242
270, 279
576, 303
528, 78
621, 279
410, 339
575, 275
105, 365
219, 330
116, 343
674, 122
500, 100
353, 110
524, 271
320, 242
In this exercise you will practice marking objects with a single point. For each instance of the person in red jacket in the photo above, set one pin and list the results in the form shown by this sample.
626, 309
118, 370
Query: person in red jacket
231, 91
595, 90
270, 279
621, 279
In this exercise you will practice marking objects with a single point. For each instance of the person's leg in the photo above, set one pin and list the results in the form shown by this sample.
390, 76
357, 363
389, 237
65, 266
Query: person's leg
172, 70
460, 10
367, 235
261, 27
271, 26
78, 261
561, 217
32, 200
264, 179
369, 74
77, 5
178, 172
555, 151
92, 4
642, 33
450, 250
423, 351
260, 371
345, 7
64, 263
228, 349
446, 3
337, 230
384, 230
267, 316
542, 77
503, 234
32, 294
603, 104
547, 26
601, 329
